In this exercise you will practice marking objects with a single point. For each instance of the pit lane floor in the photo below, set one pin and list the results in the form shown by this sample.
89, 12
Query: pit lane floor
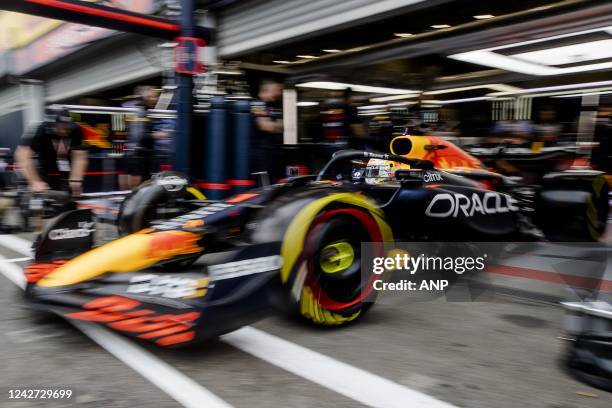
502, 353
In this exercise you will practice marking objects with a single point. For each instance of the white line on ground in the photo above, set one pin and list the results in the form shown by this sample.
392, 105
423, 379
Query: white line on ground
177, 385
352, 382
13, 260
16, 244
13, 273
183, 389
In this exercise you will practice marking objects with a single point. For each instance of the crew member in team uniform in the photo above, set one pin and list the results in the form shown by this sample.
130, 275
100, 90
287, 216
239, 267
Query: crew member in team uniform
266, 152
52, 156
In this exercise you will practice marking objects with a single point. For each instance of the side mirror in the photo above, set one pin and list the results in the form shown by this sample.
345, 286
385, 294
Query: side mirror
409, 177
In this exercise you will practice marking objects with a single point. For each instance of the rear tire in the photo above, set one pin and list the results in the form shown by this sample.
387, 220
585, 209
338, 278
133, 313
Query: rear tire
576, 211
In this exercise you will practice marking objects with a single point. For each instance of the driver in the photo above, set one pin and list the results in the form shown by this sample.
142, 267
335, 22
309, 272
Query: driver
380, 171
53, 153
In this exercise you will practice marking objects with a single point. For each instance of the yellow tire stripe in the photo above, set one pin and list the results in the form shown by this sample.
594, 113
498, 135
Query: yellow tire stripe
310, 309
293, 240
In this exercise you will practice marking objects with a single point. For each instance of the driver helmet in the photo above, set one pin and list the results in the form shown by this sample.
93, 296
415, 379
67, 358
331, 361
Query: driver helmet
379, 171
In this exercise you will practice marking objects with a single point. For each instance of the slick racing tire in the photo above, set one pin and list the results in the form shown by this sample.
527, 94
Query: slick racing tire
575, 212
326, 283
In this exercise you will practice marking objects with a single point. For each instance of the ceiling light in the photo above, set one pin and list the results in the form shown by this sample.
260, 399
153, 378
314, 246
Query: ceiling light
227, 72
399, 104
541, 62
281, 62
372, 113
495, 87
492, 59
394, 97
372, 107
567, 92
307, 103
355, 87
479, 98
437, 26
483, 16
569, 54
583, 94
332, 50
554, 37
307, 56
403, 35
554, 88
462, 100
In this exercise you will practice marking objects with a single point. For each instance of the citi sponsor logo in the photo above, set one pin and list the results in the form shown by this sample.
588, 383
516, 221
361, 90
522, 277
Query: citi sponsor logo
429, 177
452, 205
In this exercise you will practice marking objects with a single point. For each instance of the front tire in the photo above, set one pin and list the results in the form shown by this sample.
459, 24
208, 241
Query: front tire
328, 286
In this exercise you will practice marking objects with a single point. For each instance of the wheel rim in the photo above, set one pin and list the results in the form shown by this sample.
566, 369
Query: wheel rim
336, 257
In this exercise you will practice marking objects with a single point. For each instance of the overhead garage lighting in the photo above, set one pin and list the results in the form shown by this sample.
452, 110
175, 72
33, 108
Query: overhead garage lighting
338, 86
307, 103
307, 56
494, 87
463, 100
332, 50
281, 62
509, 63
439, 26
400, 104
483, 16
548, 60
558, 93
364, 107
226, 72
569, 54
403, 35
583, 94
394, 97
584, 85
372, 113
492, 59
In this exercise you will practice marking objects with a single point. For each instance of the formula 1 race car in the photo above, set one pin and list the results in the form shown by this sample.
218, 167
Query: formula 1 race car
294, 246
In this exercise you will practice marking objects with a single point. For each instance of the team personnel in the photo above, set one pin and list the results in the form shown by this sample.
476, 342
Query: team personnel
146, 138
268, 113
52, 155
